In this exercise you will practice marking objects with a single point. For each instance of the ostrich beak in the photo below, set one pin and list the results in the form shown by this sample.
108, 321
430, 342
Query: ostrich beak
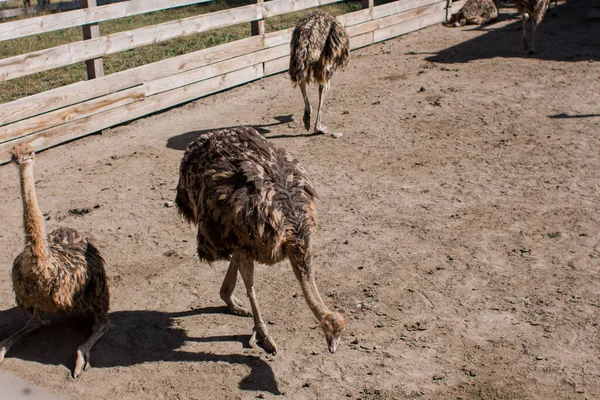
332, 345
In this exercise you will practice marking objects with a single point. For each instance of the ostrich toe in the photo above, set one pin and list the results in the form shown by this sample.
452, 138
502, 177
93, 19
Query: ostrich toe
82, 363
260, 335
236, 308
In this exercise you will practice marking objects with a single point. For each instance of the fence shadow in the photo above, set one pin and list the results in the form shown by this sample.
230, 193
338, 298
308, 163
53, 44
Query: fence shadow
180, 142
138, 337
569, 36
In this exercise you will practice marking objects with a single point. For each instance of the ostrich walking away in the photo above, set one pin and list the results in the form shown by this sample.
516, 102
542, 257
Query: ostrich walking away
319, 46
62, 272
475, 12
534, 10
252, 201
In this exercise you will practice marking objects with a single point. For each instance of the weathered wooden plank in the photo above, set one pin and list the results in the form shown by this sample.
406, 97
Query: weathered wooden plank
410, 26
17, 12
394, 19
457, 5
276, 66
69, 19
209, 71
359, 41
43, 60
53, 136
278, 38
356, 17
399, 6
82, 91
368, 4
58, 117
258, 27
278, 7
95, 67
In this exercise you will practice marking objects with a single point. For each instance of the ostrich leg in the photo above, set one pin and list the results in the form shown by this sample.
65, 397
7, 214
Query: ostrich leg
322, 90
82, 363
307, 107
525, 17
260, 333
228, 289
32, 325
534, 23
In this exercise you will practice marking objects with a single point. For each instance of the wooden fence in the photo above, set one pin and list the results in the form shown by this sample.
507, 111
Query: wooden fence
65, 113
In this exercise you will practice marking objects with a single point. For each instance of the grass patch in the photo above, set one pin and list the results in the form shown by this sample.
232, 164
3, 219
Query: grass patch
286, 21
40, 82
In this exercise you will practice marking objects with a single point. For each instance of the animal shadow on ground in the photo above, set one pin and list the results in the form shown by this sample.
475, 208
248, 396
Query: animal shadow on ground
180, 142
137, 337
570, 36
567, 116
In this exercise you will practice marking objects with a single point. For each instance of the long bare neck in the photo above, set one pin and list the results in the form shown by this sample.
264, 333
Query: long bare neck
309, 288
33, 221
313, 299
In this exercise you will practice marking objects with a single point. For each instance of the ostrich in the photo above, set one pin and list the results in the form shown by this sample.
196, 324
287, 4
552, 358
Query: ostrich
62, 272
252, 201
534, 10
319, 46
476, 12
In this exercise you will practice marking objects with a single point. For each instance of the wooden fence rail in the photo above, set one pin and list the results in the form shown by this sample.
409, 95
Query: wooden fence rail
62, 114
85, 16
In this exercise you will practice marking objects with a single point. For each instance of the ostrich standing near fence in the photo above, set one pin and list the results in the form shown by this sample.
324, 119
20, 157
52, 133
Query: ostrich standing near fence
475, 12
534, 10
252, 201
62, 272
319, 46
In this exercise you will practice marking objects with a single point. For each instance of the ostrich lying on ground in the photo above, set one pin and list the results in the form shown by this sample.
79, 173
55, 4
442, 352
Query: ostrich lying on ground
534, 10
475, 12
252, 201
319, 46
59, 273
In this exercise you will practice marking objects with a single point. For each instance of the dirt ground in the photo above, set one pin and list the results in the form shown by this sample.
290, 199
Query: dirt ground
459, 232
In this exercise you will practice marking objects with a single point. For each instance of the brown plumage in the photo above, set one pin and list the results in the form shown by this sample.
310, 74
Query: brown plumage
534, 10
62, 272
475, 12
319, 46
252, 201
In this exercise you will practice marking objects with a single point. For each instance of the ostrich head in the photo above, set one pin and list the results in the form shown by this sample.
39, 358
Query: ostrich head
22, 154
333, 324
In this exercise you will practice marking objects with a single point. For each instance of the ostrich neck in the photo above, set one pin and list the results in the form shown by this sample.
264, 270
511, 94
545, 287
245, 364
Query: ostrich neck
33, 221
313, 298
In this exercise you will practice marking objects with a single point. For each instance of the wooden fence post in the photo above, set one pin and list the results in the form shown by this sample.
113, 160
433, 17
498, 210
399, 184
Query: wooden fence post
258, 27
95, 68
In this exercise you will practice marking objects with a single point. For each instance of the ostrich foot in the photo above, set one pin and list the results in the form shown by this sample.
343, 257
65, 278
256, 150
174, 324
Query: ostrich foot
306, 119
236, 308
532, 51
32, 325
261, 335
321, 128
82, 363
525, 46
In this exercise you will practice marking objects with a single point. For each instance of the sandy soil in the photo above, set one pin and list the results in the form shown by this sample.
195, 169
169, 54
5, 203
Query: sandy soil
459, 233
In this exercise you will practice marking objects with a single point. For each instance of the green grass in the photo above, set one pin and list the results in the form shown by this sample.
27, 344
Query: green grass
7, 5
36, 83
